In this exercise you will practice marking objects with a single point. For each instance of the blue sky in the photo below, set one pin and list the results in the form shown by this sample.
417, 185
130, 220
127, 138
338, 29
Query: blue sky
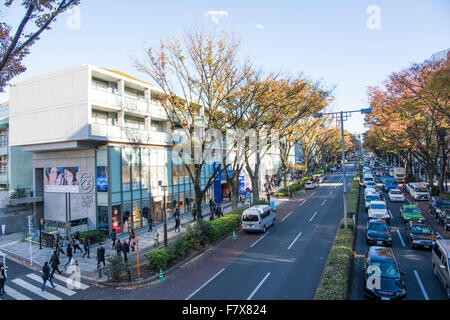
326, 40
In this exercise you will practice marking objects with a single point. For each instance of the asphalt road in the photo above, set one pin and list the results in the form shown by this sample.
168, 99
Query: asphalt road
419, 280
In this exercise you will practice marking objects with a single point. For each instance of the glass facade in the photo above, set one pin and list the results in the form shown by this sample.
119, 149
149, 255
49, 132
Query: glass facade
128, 186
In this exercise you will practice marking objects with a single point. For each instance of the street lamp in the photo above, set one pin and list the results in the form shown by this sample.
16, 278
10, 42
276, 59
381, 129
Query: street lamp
341, 115
164, 188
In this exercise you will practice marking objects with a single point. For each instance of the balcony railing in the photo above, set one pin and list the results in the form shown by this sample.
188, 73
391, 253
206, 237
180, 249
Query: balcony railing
135, 105
105, 98
3, 178
157, 110
160, 138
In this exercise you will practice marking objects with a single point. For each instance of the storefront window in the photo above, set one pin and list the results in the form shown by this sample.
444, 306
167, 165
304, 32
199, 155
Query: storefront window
102, 219
127, 216
137, 214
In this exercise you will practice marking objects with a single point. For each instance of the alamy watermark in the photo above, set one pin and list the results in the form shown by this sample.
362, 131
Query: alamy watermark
373, 21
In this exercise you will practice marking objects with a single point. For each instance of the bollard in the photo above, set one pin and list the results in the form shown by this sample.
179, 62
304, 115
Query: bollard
3, 228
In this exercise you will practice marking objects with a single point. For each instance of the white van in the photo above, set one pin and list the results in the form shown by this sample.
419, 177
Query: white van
258, 218
418, 191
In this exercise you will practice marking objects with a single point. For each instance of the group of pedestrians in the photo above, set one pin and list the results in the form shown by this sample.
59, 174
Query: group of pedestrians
73, 244
123, 247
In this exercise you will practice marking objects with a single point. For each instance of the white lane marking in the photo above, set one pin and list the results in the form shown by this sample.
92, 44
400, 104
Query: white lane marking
294, 240
324, 202
61, 289
400, 236
15, 294
424, 292
76, 285
205, 284
286, 216
331, 192
36, 290
259, 239
312, 193
303, 201
439, 235
259, 285
313, 216
390, 214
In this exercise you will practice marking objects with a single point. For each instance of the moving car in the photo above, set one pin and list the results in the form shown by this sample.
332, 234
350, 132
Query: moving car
410, 212
389, 183
371, 184
440, 258
382, 275
378, 233
258, 218
399, 174
396, 195
367, 178
440, 209
378, 210
420, 234
310, 185
418, 191
371, 196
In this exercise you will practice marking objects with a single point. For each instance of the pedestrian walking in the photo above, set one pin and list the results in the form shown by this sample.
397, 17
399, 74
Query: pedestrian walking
194, 211
46, 276
2, 278
101, 254
54, 263
113, 237
150, 223
118, 248
69, 254
132, 242
155, 237
177, 213
177, 223
125, 250
219, 210
86, 247
59, 245
76, 245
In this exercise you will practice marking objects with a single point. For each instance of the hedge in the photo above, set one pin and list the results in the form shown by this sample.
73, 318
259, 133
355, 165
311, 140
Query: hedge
196, 237
93, 236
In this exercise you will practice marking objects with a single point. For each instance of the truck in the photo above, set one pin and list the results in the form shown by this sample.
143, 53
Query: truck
400, 174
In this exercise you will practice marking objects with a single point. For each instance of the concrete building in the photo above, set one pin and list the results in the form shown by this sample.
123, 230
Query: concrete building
101, 147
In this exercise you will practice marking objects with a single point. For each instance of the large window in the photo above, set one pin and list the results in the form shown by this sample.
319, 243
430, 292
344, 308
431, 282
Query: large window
100, 117
136, 123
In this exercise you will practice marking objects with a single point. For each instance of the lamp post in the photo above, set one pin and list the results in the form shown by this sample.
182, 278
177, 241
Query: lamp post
343, 115
164, 188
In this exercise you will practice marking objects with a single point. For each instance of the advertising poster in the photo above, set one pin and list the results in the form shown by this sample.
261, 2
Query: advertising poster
102, 179
61, 179
116, 222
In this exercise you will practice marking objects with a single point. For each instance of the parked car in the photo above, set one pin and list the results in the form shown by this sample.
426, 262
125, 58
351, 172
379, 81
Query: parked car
440, 209
369, 197
420, 234
410, 212
418, 191
378, 210
310, 185
378, 233
440, 258
396, 195
388, 183
258, 218
381, 262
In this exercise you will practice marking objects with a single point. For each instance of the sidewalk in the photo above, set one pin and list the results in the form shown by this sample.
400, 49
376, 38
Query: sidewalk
14, 246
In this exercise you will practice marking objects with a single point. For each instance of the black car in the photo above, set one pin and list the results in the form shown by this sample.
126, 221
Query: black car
378, 233
420, 234
440, 210
383, 278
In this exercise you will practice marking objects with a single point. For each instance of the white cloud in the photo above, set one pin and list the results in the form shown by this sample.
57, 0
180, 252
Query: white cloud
215, 15
260, 26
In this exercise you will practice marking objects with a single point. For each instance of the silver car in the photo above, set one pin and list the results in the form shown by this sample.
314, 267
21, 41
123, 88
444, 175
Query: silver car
258, 218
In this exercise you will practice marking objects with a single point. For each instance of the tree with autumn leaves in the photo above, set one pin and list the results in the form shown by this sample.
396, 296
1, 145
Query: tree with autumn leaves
410, 117
15, 43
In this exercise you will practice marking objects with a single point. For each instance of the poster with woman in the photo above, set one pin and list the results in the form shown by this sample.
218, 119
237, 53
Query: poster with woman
116, 222
61, 179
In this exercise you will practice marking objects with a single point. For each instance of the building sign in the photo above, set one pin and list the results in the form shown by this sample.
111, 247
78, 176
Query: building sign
61, 179
102, 179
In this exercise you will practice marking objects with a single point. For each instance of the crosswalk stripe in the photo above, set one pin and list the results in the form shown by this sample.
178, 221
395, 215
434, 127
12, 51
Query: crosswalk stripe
36, 290
61, 289
81, 285
15, 294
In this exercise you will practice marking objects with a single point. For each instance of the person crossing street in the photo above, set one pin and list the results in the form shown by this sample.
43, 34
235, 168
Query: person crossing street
46, 276
54, 263
86, 247
2, 278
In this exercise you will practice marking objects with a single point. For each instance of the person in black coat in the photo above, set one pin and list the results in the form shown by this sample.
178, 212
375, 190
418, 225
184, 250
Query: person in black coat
69, 254
101, 254
118, 248
125, 250
54, 263
113, 237
2, 278
46, 276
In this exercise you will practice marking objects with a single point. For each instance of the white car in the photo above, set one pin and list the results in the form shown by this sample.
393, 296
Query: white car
396, 195
310, 185
373, 196
378, 210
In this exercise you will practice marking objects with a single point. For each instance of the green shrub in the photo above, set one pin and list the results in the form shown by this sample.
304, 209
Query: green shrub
93, 236
411, 178
116, 268
435, 191
260, 201
157, 259
176, 250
